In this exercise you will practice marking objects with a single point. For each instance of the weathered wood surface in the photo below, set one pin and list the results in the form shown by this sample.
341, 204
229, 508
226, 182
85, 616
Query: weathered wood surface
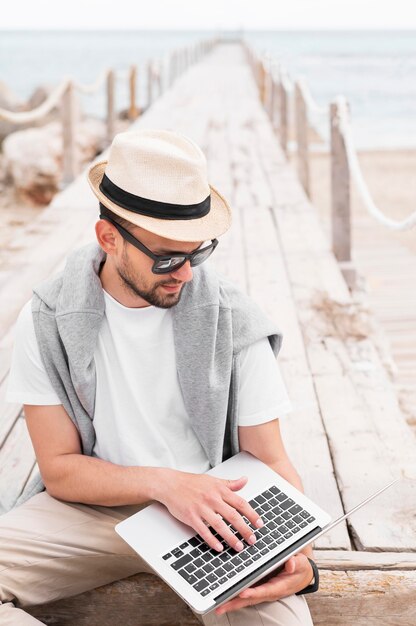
353, 598
346, 435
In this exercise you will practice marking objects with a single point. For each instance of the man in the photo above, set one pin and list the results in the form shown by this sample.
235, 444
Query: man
137, 374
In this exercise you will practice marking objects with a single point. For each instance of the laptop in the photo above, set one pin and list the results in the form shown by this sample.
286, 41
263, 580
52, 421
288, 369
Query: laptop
205, 578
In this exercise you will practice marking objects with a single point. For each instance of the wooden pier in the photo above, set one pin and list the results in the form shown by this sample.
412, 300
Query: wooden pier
347, 436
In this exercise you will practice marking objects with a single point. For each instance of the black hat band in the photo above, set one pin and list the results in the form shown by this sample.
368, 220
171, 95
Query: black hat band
153, 208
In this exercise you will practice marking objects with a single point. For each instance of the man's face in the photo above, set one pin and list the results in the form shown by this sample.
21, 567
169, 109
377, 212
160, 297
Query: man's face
134, 269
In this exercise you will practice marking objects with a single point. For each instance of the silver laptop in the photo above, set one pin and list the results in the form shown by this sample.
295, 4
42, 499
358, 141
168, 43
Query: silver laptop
205, 578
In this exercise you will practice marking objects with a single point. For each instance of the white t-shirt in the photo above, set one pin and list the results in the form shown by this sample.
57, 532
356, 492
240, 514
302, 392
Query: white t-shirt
139, 415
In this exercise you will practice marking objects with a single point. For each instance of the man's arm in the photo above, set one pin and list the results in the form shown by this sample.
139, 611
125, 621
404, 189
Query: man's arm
192, 498
264, 441
72, 476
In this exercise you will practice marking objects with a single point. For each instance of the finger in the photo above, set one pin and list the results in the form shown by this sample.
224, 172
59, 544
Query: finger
273, 588
241, 505
290, 565
235, 484
216, 521
236, 520
204, 532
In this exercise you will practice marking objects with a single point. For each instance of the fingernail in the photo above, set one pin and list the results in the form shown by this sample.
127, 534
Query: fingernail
252, 539
259, 523
219, 546
239, 546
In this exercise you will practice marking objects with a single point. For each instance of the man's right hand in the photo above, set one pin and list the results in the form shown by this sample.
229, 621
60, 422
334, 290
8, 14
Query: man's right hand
200, 500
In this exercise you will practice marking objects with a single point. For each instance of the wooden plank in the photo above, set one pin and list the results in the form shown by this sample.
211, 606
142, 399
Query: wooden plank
360, 431
362, 598
354, 560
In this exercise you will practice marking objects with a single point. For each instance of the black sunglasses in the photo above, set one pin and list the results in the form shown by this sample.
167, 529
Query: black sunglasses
163, 264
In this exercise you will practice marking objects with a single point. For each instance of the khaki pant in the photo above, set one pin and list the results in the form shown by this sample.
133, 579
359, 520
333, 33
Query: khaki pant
51, 549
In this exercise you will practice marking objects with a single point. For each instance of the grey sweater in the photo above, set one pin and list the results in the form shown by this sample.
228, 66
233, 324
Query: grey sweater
212, 323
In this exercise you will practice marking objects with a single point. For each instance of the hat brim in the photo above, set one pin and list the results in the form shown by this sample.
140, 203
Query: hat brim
212, 225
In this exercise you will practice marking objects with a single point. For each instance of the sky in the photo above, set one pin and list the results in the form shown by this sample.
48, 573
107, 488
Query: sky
208, 14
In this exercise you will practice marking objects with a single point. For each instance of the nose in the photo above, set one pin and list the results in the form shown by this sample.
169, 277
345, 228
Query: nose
184, 273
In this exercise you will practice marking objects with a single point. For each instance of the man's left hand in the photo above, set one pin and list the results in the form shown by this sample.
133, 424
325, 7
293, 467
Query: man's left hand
296, 575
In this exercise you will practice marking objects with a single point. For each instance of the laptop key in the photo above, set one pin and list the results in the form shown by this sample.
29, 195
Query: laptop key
272, 525
303, 524
296, 529
190, 568
260, 500
260, 544
274, 502
216, 562
289, 534
244, 555
286, 504
167, 556
200, 585
228, 566
263, 531
286, 515
208, 568
207, 557
296, 509
267, 494
190, 578
266, 506
176, 552
290, 524
239, 568
236, 560
283, 529
183, 545
212, 578
311, 519
304, 514
199, 573
249, 562
267, 539
270, 515
298, 519
222, 580
256, 556
225, 556
194, 542
220, 571
274, 490
195, 552
214, 586
183, 561
280, 497
231, 574
264, 551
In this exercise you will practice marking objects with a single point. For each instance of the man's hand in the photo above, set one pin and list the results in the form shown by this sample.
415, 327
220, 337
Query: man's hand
200, 500
296, 575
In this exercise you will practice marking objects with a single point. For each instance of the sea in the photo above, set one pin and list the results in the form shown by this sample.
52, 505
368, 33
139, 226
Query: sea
374, 70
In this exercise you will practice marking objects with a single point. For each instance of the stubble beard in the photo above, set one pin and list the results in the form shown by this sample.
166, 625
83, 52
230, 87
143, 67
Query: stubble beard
131, 282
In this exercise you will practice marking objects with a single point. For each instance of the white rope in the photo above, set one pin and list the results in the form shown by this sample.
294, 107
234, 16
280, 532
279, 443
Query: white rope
345, 129
93, 87
22, 117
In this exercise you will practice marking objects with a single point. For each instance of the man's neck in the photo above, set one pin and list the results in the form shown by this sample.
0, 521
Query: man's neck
113, 285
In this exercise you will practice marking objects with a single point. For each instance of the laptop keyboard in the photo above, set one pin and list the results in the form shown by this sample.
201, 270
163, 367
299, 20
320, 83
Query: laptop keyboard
206, 569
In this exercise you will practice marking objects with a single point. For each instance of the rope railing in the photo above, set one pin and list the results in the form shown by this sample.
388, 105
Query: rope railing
24, 117
357, 175
65, 96
95, 86
278, 93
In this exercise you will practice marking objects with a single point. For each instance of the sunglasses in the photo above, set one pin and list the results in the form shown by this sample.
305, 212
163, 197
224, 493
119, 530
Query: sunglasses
163, 264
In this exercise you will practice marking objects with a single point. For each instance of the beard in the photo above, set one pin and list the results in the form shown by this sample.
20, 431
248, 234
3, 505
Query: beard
135, 283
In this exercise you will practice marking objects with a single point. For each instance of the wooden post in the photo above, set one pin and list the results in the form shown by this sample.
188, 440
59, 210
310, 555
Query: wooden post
340, 196
133, 110
283, 121
262, 80
149, 82
69, 123
301, 116
111, 115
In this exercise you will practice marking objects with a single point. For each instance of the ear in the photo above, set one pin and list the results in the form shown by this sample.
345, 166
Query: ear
108, 237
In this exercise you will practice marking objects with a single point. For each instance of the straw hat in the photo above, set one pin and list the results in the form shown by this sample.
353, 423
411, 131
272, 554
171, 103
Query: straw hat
157, 179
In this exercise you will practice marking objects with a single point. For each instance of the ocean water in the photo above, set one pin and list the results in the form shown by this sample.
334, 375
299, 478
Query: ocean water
374, 70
